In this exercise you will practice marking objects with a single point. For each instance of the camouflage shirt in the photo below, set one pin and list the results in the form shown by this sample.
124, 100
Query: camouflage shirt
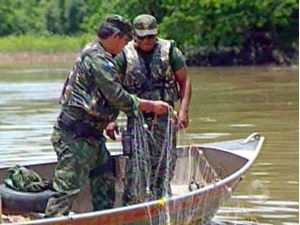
93, 85
151, 75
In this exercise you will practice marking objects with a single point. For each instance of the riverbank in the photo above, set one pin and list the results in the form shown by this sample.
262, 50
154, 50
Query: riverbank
36, 56
245, 56
62, 48
194, 58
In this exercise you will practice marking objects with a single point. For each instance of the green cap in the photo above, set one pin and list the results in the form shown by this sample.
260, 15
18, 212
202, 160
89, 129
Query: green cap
144, 25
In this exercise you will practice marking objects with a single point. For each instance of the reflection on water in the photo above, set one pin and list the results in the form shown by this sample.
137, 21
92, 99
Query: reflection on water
227, 103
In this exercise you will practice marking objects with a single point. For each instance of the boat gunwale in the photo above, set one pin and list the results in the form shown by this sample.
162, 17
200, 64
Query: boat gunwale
154, 203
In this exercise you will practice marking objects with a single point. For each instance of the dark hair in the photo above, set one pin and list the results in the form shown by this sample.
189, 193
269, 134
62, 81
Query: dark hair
114, 23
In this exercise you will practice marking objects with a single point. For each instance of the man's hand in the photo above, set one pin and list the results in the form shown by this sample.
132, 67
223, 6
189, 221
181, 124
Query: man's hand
111, 130
157, 107
160, 107
182, 120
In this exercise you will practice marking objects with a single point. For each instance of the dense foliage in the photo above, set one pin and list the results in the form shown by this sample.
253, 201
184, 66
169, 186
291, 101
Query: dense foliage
204, 29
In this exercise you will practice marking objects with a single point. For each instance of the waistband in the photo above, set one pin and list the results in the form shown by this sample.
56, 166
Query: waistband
80, 124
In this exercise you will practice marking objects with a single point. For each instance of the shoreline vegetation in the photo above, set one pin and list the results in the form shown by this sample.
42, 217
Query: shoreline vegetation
33, 56
56, 49
210, 33
41, 49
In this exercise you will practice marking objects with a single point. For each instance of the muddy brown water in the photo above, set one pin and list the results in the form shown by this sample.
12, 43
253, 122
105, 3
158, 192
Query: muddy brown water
227, 103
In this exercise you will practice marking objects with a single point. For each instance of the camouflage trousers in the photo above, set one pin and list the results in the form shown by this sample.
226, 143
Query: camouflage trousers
149, 170
80, 160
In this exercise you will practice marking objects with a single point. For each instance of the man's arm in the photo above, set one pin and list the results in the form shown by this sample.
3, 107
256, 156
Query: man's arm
179, 67
121, 62
185, 93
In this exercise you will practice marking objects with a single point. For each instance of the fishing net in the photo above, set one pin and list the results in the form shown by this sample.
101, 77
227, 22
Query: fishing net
144, 170
149, 168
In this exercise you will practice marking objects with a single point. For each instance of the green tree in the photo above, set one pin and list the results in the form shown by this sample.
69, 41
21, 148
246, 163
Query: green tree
220, 23
64, 16
20, 17
126, 8
256, 25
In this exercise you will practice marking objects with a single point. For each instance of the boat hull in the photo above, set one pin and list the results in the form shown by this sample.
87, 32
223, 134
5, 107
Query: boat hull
228, 160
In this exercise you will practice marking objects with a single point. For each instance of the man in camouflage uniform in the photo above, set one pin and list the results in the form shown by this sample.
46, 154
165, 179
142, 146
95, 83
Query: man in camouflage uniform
91, 98
154, 68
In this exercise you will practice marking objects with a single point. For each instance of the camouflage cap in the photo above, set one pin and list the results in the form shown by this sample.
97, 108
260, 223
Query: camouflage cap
144, 25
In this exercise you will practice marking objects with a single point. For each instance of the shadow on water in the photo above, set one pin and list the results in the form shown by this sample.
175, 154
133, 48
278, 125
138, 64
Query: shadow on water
227, 103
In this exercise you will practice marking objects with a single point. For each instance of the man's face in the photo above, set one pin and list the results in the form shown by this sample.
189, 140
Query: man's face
145, 43
119, 43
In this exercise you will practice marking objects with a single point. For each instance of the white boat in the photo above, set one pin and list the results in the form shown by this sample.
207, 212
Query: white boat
211, 172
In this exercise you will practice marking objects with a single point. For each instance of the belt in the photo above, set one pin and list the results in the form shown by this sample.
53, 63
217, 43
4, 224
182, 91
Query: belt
82, 128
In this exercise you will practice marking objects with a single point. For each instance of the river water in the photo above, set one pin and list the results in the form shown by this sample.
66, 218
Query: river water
227, 103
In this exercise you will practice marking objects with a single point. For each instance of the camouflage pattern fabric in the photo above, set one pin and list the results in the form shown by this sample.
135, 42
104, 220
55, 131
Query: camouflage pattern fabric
145, 25
162, 163
152, 77
156, 84
77, 157
22, 179
92, 96
94, 86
